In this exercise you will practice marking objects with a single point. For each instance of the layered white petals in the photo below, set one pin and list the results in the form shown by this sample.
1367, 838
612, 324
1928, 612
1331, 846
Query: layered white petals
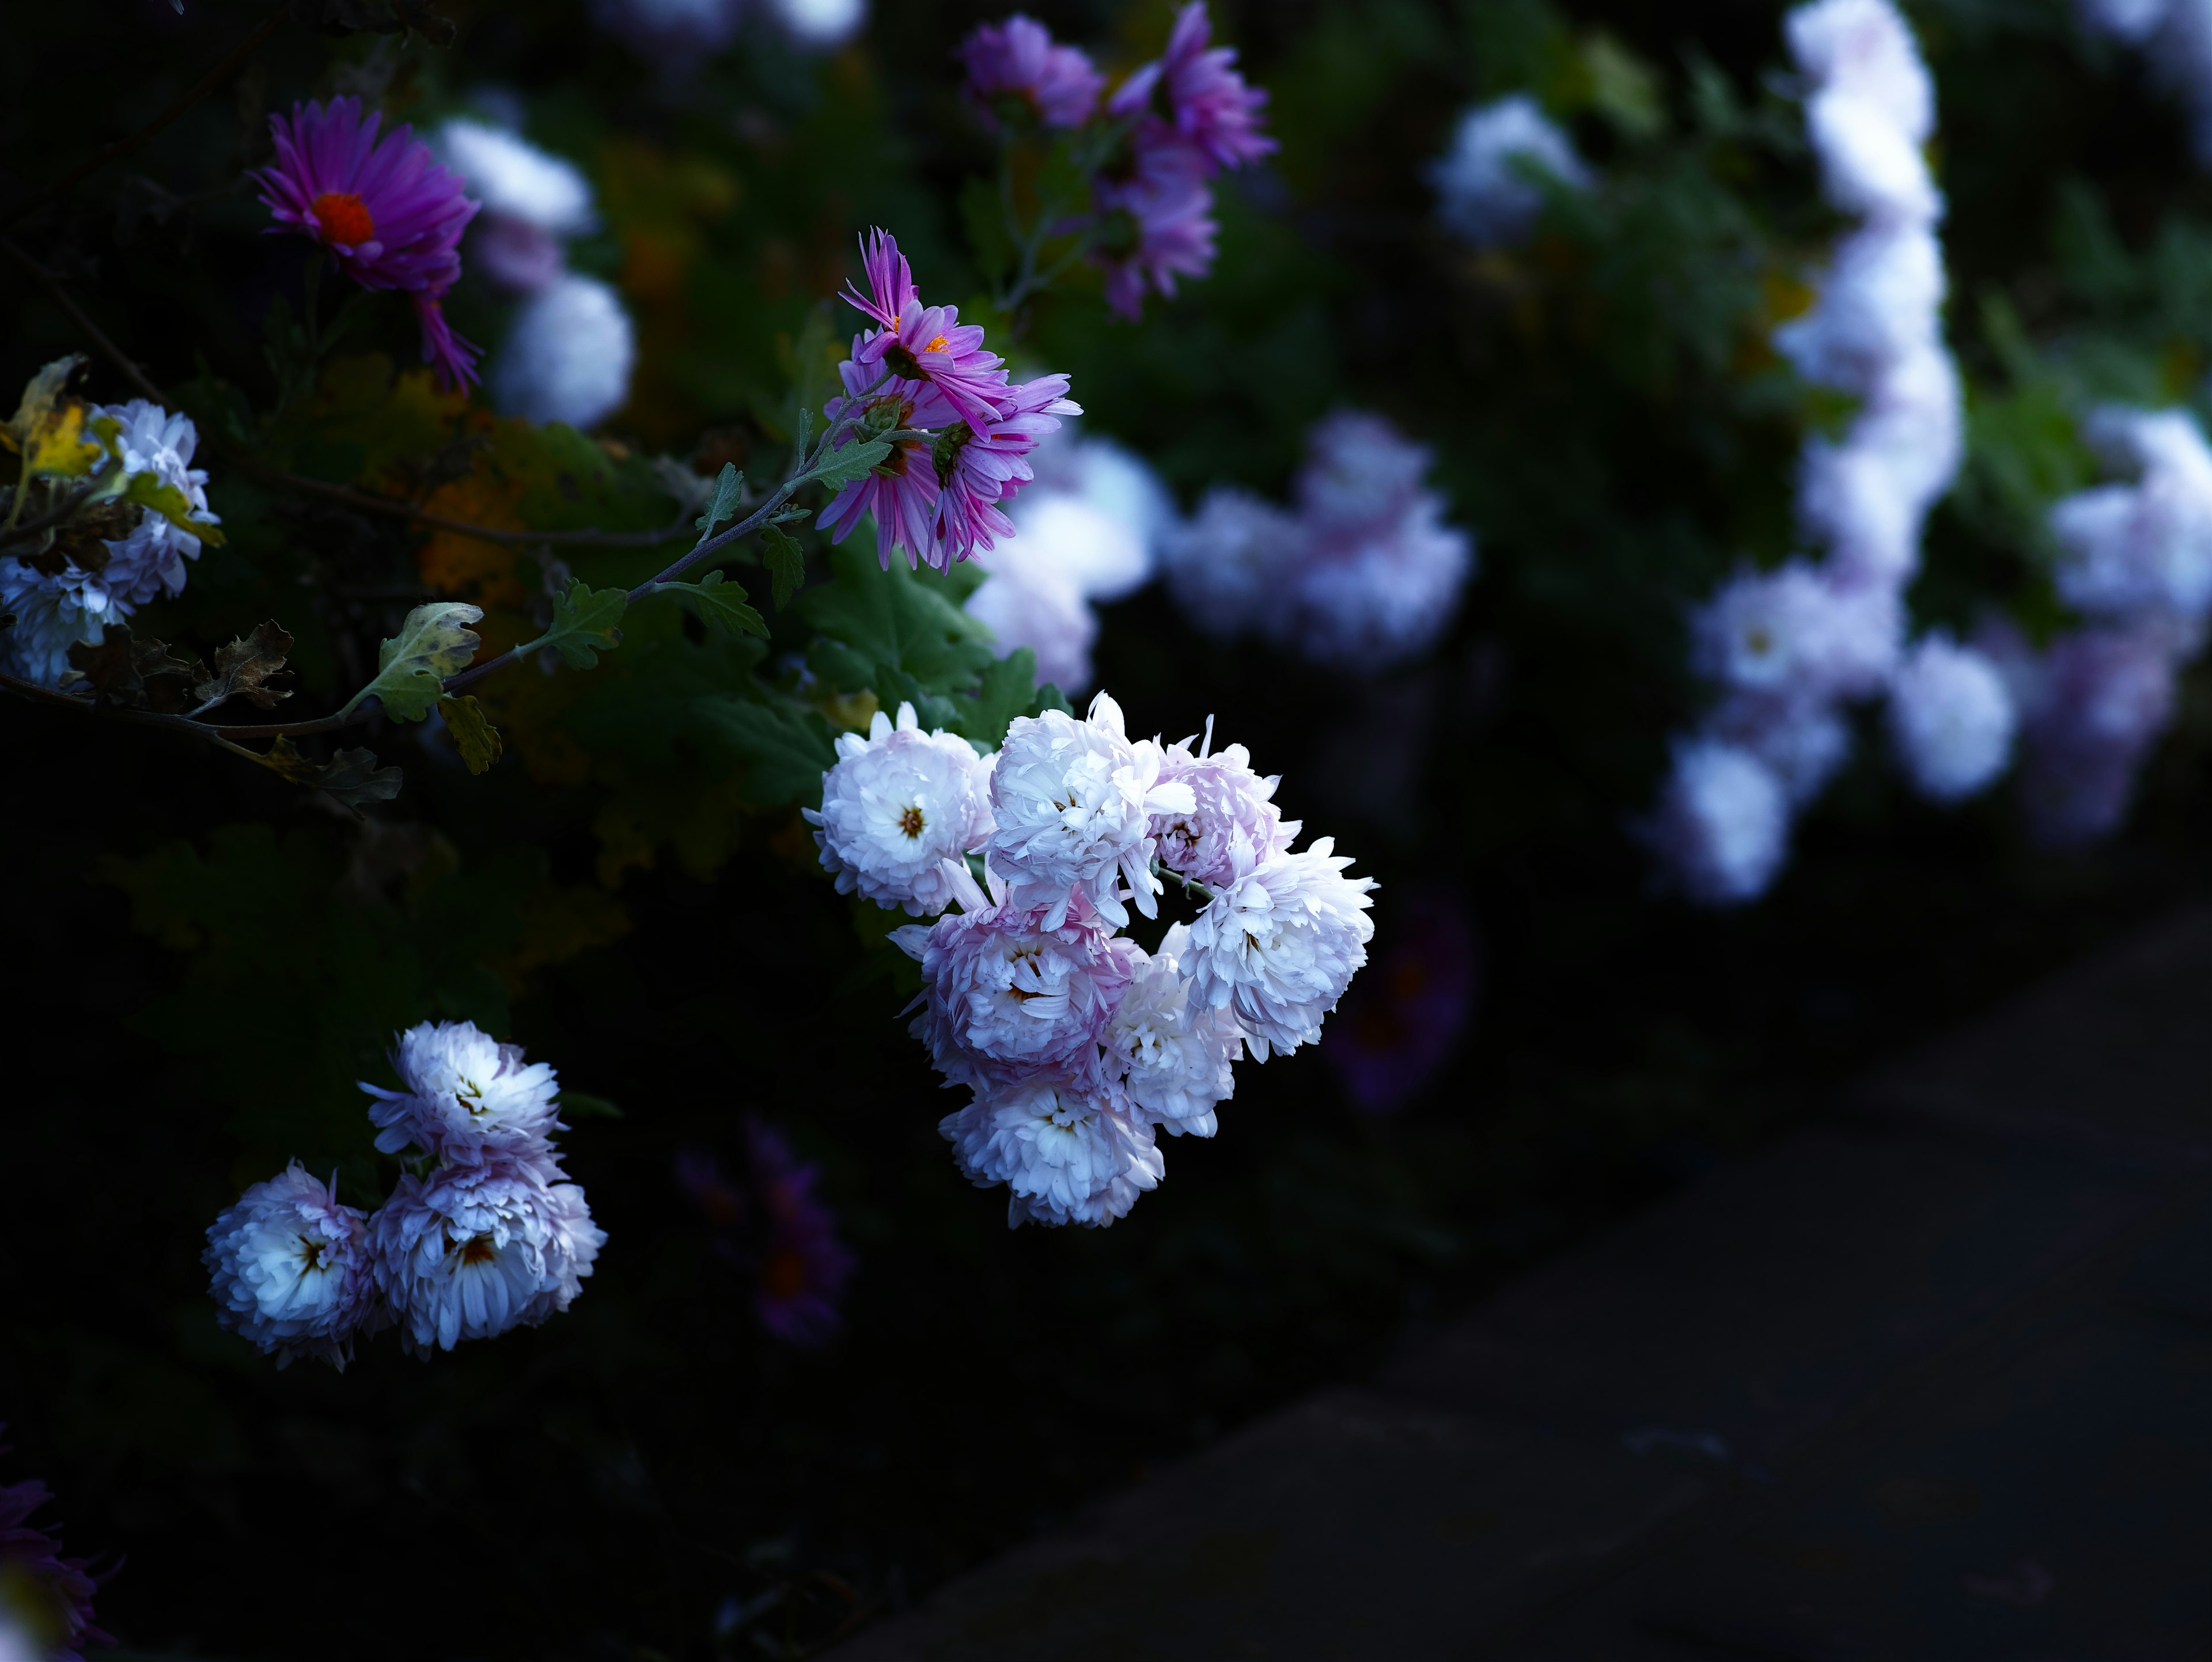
481, 1246
1277, 947
462, 1091
897, 807
568, 356
1066, 1154
1073, 802
291, 1270
1232, 825
1172, 1054
1486, 187
1951, 719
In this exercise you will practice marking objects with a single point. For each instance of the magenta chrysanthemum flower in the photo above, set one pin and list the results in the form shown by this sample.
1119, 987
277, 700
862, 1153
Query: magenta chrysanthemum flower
803, 1267
391, 215
1018, 74
979, 467
1210, 105
928, 343
900, 491
1159, 224
32, 1567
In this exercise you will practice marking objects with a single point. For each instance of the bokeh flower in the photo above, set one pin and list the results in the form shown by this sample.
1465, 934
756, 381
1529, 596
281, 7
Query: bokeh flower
568, 356
1487, 184
1018, 75
46, 1598
803, 1265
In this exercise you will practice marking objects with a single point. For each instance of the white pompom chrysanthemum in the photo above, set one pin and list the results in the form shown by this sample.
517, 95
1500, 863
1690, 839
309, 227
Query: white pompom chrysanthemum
511, 176
291, 1269
898, 805
568, 356
2147, 545
1066, 1154
1008, 993
150, 560
480, 1246
1073, 802
1951, 718
1232, 823
1484, 191
463, 1091
1277, 948
1172, 1054
1723, 822
1791, 630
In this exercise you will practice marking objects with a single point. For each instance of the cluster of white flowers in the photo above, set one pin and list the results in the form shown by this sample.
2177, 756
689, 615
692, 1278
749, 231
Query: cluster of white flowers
1363, 574
70, 594
1789, 649
1077, 1046
2176, 36
569, 351
659, 28
1089, 529
2136, 561
1487, 185
485, 1233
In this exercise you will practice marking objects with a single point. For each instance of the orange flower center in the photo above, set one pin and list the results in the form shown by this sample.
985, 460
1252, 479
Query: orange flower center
344, 218
784, 1276
938, 345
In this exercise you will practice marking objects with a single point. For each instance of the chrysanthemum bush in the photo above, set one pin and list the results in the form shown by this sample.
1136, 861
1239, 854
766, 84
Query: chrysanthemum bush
1076, 1045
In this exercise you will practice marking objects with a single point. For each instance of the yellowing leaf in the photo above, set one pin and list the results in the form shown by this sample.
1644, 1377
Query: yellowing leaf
412, 666
474, 735
148, 490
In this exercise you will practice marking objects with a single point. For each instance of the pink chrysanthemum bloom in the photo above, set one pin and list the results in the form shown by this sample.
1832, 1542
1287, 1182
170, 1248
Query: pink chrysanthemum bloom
464, 1090
1234, 825
918, 342
979, 466
1209, 102
1018, 75
385, 209
1010, 990
1064, 1151
1157, 221
803, 1267
900, 491
32, 1568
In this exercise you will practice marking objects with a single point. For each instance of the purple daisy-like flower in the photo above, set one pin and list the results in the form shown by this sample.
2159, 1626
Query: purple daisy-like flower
1157, 220
979, 466
32, 1570
1399, 1024
918, 342
802, 1266
1210, 103
900, 491
387, 211
1018, 74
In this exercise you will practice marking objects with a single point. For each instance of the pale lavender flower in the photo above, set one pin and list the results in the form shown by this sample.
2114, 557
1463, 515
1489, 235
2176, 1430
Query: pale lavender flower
1018, 75
1795, 630
1485, 184
1276, 948
1226, 565
150, 560
1722, 825
1233, 826
2146, 545
1951, 718
898, 805
531, 199
1009, 992
1073, 802
1208, 103
290, 1269
463, 1091
568, 355
1171, 1054
1065, 1153
2092, 708
479, 1247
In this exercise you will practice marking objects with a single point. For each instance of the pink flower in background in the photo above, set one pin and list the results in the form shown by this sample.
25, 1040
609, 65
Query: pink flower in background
1159, 225
31, 1563
391, 215
1208, 100
1016, 65
802, 1266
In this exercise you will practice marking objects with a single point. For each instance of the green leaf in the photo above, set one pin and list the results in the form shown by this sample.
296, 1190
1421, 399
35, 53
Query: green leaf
729, 491
899, 620
787, 563
350, 775
585, 622
578, 1105
148, 490
474, 735
842, 466
721, 602
412, 666
1008, 689
245, 667
785, 747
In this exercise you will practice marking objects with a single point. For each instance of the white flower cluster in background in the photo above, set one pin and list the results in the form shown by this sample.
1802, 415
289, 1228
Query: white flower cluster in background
569, 350
2176, 36
2136, 561
1487, 186
672, 30
1088, 530
61, 599
1076, 1045
484, 1232
1363, 574
1789, 649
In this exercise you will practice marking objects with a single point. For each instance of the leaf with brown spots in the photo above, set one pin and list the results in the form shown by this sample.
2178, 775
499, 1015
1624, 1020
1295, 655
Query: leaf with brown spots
245, 667
350, 775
